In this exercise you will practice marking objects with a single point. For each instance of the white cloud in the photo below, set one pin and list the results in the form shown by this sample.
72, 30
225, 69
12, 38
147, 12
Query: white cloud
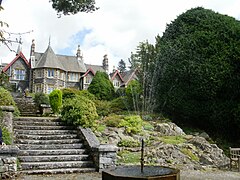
115, 29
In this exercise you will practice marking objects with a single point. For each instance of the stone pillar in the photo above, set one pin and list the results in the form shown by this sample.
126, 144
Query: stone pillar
7, 119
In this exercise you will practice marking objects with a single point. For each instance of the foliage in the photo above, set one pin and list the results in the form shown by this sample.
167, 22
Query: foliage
55, 98
190, 154
103, 107
6, 99
144, 60
147, 126
6, 136
102, 87
133, 94
120, 104
132, 124
4, 80
69, 93
198, 77
128, 143
121, 66
41, 98
127, 157
173, 139
113, 120
74, 6
79, 111
87, 94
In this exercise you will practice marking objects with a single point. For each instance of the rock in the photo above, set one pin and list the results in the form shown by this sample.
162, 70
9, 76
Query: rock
204, 135
169, 129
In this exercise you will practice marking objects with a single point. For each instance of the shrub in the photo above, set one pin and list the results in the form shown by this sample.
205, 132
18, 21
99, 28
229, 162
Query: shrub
79, 111
87, 94
132, 124
6, 135
103, 107
147, 126
55, 98
113, 120
69, 93
128, 143
6, 99
40, 98
119, 104
102, 87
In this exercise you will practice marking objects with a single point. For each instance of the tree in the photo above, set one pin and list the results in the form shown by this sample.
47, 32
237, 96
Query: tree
66, 7
102, 87
121, 66
198, 71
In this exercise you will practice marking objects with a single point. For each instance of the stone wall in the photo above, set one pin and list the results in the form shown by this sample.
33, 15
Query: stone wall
8, 161
104, 155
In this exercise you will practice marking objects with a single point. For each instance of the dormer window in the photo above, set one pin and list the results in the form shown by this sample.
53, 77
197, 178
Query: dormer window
19, 74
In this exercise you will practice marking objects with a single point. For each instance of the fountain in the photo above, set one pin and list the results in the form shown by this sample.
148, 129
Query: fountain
141, 172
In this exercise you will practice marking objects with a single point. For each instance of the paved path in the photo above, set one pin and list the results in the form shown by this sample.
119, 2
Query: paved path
185, 175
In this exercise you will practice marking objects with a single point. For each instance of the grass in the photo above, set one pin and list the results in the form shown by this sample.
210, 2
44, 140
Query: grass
173, 139
190, 154
128, 157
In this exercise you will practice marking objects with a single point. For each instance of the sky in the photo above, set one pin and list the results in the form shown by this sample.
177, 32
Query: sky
115, 29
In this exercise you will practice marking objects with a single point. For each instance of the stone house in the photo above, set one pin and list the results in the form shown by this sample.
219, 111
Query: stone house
47, 71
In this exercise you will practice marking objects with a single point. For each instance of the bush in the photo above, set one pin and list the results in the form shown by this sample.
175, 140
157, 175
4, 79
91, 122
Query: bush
69, 93
128, 143
132, 124
119, 104
79, 111
6, 99
113, 120
6, 136
87, 94
102, 87
55, 98
103, 107
40, 98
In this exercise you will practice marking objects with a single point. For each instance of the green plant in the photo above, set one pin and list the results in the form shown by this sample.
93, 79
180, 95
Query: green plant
6, 135
100, 127
55, 98
147, 126
113, 120
103, 107
69, 93
40, 98
173, 139
87, 94
6, 99
102, 87
119, 104
128, 143
127, 157
79, 111
132, 124
190, 154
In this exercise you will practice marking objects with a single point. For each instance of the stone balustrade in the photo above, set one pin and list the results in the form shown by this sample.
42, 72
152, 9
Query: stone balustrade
104, 155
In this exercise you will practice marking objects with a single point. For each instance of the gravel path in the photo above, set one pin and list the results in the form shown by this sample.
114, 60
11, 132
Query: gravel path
185, 175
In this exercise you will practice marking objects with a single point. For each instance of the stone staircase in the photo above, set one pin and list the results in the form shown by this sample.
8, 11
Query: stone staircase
48, 146
26, 106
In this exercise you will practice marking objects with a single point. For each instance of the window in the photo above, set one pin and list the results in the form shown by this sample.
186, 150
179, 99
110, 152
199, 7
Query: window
50, 72
73, 77
116, 83
88, 80
19, 74
39, 73
49, 89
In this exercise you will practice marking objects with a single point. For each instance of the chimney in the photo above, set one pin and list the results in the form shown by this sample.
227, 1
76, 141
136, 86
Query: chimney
32, 55
105, 63
79, 56
19, 46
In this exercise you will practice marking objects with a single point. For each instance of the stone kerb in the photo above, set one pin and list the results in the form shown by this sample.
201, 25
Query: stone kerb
104, 155
8, 161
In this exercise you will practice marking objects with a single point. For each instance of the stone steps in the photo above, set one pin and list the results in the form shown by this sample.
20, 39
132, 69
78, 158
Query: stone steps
64, 157
48, 146
59, 170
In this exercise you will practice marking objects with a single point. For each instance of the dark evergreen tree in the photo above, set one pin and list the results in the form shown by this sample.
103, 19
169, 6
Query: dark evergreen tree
102, 87
198, 71
121, 66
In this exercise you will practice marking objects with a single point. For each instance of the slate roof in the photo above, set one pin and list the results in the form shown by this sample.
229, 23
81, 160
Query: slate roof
95, 68
128, 76
49, 59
